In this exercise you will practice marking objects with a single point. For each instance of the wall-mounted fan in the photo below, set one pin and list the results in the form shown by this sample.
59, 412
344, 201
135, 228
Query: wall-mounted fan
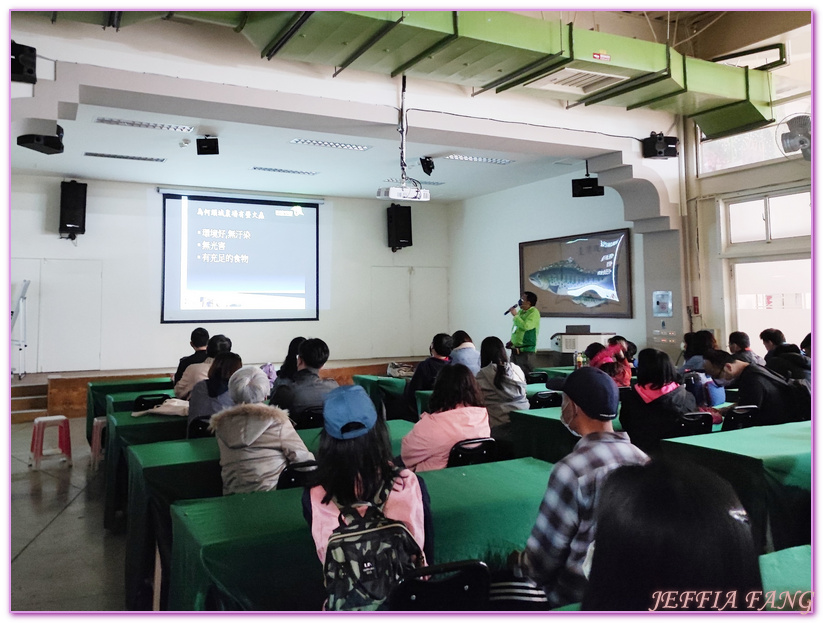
795, 133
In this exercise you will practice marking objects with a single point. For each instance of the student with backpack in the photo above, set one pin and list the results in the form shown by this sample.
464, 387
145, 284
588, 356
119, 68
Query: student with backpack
361, 501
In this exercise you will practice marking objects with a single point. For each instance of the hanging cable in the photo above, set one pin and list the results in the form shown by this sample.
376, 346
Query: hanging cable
403, 129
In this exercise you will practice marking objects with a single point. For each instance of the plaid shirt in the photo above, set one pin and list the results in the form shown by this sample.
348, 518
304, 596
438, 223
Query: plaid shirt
565, 525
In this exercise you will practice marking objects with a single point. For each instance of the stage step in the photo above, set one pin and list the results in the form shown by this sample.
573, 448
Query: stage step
28, 402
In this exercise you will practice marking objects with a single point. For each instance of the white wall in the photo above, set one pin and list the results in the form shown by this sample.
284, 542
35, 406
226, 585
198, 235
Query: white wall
485, 263
124, 238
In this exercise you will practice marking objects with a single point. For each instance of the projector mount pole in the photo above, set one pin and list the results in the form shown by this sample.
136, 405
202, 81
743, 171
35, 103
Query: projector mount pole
402, 130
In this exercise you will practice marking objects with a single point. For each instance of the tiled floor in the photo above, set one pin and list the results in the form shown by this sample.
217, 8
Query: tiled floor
61, 557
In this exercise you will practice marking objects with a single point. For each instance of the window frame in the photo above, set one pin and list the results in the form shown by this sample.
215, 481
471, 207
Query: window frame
769, 246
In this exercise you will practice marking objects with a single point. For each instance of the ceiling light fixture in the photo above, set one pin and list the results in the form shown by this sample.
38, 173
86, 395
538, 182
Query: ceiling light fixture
145, 124
482, 159
121, 157
395, 180
333, 144
289, 171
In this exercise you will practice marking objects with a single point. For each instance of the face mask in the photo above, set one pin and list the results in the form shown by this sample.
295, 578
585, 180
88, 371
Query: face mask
565, 423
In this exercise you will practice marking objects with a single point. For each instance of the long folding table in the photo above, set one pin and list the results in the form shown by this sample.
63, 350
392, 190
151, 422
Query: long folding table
162, 473
769, 468
255, 551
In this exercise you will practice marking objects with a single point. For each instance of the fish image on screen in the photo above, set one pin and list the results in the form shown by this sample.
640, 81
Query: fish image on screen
579, 275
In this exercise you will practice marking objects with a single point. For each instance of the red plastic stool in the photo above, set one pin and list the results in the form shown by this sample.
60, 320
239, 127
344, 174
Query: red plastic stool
98, 427
63, 451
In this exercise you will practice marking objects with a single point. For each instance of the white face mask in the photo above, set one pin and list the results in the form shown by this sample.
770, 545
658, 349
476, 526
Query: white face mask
565, 407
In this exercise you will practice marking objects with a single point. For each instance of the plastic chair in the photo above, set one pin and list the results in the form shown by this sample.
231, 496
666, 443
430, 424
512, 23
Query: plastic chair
542, 400
63, 439
462, 585
695, 423
296, 474
537, 377
740, 417
308, 418
97, 430
472, 452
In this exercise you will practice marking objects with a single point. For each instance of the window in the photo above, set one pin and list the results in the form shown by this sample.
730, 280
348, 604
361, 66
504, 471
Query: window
770, 217
752, 147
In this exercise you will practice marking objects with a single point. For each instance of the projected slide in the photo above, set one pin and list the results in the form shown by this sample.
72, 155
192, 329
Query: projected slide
228, 259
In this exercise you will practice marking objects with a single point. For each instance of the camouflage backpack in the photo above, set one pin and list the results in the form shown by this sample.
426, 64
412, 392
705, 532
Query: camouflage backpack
366, 557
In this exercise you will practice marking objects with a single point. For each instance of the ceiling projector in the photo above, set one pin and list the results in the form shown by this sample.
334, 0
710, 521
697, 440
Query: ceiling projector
403, 193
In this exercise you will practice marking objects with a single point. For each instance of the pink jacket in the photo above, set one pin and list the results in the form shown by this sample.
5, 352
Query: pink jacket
405, 503
427, 445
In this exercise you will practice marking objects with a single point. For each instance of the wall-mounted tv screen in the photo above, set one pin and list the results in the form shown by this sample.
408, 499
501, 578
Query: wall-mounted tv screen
239, 259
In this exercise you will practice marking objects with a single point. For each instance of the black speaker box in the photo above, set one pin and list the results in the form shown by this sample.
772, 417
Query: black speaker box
659, 146
400, 227
207, 146
23, 63
43, 143
73, 207
587, 187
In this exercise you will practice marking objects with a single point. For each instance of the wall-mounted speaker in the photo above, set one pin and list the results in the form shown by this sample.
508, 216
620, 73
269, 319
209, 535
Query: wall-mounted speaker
400, 227
73, 208
23, 63
207, 146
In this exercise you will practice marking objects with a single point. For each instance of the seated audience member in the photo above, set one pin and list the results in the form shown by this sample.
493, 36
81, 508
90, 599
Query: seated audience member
775, 343
700, 342
212, 395
464, 352
740, 348
757, 386
504, 390
256, 441
671, 527
592, 350
287, 371
565, 526
199, 340
456, 412
631, 352
612, 360
427, 370
197, 372
354, 464
791, 363
806, 345
649, 411
308, 390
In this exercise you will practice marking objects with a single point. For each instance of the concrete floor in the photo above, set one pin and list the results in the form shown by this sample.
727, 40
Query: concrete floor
61, 557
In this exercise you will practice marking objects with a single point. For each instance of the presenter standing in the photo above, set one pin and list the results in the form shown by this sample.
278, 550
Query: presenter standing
525, 327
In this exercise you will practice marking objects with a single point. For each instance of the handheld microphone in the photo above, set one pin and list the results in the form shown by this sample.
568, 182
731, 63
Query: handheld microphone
518, 303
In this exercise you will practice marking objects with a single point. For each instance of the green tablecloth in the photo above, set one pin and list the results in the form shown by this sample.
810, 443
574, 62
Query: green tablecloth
386, 393
770, 469
788, 570
97, 390
539, 433
424, 395
557, 372
124, 430
124, 401
257, 548
165, 472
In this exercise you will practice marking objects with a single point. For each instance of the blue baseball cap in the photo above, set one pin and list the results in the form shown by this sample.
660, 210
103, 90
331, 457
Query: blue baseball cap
348, 404
594, 391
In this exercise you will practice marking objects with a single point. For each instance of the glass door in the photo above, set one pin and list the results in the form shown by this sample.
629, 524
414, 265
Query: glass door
774, 294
